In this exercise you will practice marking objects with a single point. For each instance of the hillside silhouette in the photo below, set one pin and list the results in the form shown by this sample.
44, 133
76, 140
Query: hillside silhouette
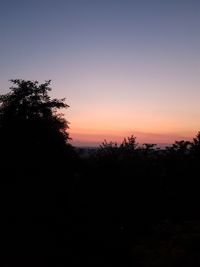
123, 204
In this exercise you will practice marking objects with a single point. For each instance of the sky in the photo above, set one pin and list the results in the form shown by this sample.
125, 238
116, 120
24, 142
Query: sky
125, 67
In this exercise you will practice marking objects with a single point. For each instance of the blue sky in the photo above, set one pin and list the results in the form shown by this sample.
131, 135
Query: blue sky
123, 66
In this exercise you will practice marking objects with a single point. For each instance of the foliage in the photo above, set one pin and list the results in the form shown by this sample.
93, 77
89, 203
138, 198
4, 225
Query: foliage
181, 147
129, 144
195, 145
30, 124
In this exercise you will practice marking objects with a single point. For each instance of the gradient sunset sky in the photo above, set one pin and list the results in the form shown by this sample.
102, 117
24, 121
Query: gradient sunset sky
125, 67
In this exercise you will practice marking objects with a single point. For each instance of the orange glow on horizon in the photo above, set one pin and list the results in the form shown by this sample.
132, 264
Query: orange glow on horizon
91, 125
89, 136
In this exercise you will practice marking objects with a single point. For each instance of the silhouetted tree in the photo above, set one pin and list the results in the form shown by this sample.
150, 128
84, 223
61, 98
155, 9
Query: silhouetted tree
129, 144
108, 148
112, 151
30, 124
181, 147
195, 145
36, 161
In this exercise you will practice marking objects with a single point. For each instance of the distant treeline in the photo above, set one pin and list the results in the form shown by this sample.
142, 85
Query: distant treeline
127, 195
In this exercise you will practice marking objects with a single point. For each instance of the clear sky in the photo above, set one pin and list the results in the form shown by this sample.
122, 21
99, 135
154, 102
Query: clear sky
124, 66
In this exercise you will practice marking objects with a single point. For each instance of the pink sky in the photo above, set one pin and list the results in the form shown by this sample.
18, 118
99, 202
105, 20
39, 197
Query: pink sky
125, 67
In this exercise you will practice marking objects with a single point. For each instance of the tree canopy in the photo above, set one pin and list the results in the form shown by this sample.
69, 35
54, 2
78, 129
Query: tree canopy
30, 121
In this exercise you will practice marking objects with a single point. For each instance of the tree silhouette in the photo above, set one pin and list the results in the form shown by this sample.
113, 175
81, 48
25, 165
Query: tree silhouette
129, 144
195, 145
180, 148
30, 124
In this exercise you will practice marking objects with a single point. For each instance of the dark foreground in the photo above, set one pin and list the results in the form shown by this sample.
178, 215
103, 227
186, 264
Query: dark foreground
120, 205
115, 209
